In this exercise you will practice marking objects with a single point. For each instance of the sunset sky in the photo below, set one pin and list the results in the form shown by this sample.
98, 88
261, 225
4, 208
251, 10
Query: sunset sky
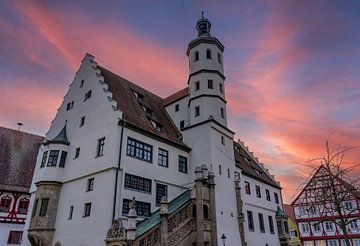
292, 67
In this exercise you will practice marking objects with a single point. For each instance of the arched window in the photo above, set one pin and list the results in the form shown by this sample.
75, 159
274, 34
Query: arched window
23, 206
208, 54
5, 204
206, 211
219, 58
193, 211
196, 56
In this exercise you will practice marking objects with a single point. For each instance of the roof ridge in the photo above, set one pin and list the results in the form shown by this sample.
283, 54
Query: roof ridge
15, 130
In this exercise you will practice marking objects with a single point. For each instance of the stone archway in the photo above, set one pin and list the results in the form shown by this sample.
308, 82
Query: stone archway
37, 240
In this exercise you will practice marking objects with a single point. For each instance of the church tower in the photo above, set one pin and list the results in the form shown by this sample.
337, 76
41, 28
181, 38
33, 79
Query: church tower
206, 77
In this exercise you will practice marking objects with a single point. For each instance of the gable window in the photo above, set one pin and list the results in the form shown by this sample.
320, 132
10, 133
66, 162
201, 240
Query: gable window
23, 206
163, 158
100, 147
208, 54
182, 164
53, 158
197, 111
142, 208
82, 121
161, 191
247, 188
159, 127
182, 124
222, 140
222, 113
250, 220
197, 85
44, 207
71, 210
90, 184
136, 183
267, 194
87, 209
220, 171
70, 105
258, 191
87, 95
35, 208
210, 84
271, 224
228, 172
81, 83
196, 56
15, 237
177, 107
62, 159
276, 197
44, 158
261, 223
139, 150
219, 58
221, 88
5, 204
77, 153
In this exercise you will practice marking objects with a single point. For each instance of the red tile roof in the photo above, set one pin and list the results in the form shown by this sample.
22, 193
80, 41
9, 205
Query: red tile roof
134, 108
176, 96
18, 152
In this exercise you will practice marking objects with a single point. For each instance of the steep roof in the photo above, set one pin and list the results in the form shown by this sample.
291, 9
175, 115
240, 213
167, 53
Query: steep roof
61, 138
140, 107
251, 167
176, 96
18, 152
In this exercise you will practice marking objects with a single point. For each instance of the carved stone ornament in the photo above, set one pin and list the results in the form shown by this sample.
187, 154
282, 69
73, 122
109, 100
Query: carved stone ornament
117, 230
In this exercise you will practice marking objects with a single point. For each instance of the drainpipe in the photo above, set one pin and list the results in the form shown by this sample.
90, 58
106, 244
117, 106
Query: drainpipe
122, 123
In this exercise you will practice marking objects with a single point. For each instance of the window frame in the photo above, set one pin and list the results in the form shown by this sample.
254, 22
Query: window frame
87, 209
100, 147
247, 188
261, 222
210, 84
82, 121
163, 159
197, 85
71, 211
157, 194
44, 159
34, 209
271, 224
208, 54
53, 157
19, 236
276, 198
267, 195
257, 191
177, 107
77, 153
137, 183
250, 220
8, 201
88, 95
135, 151
197, 111
63, 159
139, 206
44, 206
23, 210
90, 184
182, 164
196, 56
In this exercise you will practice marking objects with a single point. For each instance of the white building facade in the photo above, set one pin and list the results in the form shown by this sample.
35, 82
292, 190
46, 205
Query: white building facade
112, 140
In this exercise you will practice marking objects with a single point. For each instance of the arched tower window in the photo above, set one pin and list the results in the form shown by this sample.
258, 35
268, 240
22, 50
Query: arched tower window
196, 56
5, 204
206, 211
219, 58
208, 54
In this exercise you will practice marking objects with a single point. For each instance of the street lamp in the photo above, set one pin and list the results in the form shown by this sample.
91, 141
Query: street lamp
223, 239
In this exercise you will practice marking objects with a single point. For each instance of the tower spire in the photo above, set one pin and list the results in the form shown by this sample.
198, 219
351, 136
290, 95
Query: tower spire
203, 26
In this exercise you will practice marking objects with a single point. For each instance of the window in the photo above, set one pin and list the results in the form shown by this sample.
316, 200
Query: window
286, 227
206, 211
208, 54
177, 107
182, 124
271, 224
356, 242
163, 158
316, 227
228, 171
261, 223
210, 84
87, 95
139, 150
137, 183
161, 191
87, 209
276, 197
71, 210
302, 211
353, 225
70, 105
44, 206
182, 164
329, 226
81, 83
44, 158
15, 237
220, 171
77, 153
100, 147
197, 85
333, 242
142, 208
279, 226
305, 227
197, 111
293, 233
82, 121
35, 208
196, 56
250, 220
221, 88
62, 159
219, 58
247, 188
90, 184
348, 206
222, 113
267, 194
53, 157
159, 127
258, 191
5, 204
23, 206
222, 140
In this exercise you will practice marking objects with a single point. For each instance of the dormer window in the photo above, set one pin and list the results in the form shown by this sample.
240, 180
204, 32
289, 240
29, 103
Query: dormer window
208, 54
87, 95
196, 56
70, 105
138, 95
159, 127
5, 204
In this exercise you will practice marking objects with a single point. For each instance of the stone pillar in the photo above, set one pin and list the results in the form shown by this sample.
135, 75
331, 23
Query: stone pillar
240, 217
213, 227
199, 207
164, 214
131, 222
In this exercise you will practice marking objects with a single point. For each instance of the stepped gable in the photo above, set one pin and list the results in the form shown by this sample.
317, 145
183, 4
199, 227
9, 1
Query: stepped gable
18, 152
176, 96
251, 167
134, 107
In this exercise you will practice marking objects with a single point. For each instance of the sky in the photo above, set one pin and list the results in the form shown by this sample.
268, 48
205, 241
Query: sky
292, 67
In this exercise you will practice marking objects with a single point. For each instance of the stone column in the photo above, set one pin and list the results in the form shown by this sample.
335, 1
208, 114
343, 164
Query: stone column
164, 215
240, 217
213, 227
199, 207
